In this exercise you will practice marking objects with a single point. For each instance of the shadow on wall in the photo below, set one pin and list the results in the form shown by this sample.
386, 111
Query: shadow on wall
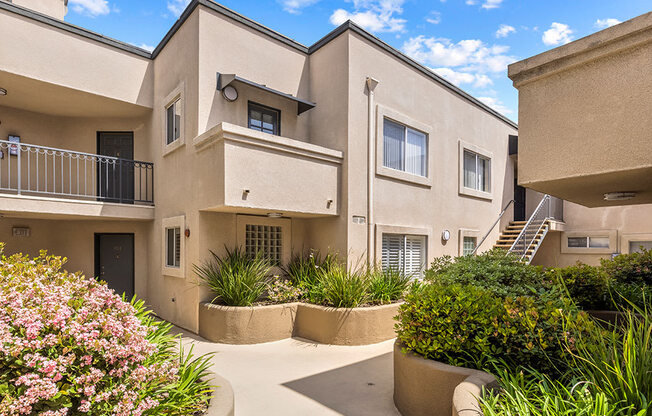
364, 388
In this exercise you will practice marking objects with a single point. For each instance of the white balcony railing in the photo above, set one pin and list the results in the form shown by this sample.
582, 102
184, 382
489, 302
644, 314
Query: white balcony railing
27, 169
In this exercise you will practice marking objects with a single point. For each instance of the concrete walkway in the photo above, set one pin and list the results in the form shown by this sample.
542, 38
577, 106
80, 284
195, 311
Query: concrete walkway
299, 377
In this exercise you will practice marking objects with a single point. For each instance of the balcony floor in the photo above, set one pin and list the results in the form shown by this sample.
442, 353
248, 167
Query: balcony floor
23, 206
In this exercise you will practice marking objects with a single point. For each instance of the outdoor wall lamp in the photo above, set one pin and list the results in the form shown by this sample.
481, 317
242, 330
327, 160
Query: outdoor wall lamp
274, 214
3, 91
446, 235
230, 93
619, 196
329, 203
187, 232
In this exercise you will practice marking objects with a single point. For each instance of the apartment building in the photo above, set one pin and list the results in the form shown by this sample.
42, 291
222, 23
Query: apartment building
135, 165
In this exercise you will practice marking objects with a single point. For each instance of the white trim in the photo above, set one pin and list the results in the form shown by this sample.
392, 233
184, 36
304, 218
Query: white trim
466, 232
381, 170
178, 94
167, 223
628, 238
463, 190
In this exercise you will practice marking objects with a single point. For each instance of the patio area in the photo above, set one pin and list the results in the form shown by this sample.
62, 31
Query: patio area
297, 377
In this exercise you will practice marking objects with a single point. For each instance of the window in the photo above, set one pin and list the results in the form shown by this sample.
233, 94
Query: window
404, 149
635, 246
477, 171
469, 245
264, 119
405, 253
588, 242
173, 247
173, 121
266, 240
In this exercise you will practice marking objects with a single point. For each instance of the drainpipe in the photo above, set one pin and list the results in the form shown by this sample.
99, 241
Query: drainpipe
371, 166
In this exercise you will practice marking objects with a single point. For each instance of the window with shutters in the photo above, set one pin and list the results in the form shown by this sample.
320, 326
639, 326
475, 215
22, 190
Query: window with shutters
173, 247
405, 253
266, 240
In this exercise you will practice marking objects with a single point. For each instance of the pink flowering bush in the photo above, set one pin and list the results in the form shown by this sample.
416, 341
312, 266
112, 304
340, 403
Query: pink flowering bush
71, 346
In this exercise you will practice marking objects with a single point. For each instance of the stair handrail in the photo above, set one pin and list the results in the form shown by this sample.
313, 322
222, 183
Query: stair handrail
492, 227
544, 200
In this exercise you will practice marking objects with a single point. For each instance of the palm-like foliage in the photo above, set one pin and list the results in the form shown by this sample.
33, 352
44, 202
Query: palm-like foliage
387, 285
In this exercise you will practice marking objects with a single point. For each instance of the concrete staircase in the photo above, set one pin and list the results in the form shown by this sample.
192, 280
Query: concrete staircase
511, 233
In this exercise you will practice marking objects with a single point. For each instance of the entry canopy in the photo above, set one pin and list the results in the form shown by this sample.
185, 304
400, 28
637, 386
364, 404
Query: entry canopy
225, 79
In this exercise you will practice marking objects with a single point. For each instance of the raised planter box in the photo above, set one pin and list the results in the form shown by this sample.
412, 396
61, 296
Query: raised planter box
223, 401
246, 325
257, 324
425, 387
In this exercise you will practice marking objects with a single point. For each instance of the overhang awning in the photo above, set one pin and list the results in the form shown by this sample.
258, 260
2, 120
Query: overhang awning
225, 79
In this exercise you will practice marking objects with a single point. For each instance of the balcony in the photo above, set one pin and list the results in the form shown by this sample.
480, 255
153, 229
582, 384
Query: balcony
250, 172
42, 182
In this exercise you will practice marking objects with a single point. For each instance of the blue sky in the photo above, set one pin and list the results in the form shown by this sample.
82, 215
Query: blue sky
469, 42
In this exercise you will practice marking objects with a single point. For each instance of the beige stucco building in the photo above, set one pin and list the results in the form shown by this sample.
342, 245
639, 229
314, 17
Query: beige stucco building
135, 165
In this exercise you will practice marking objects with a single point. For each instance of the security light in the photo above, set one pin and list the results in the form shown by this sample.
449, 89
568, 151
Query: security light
230, 93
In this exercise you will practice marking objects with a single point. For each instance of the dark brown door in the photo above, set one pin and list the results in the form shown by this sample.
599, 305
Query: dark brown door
115, 177
519, 202
114, 262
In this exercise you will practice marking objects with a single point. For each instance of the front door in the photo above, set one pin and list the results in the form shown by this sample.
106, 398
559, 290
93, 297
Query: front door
115, 178
519, 202
114, 262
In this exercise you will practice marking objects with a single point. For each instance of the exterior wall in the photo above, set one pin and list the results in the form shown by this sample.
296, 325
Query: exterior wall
584, 116
75, 240
53, 8
439, 206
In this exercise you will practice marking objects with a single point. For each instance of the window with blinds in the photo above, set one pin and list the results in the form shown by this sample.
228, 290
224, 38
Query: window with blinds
266, 240
405, 253
404, 148
173, 247
477, 171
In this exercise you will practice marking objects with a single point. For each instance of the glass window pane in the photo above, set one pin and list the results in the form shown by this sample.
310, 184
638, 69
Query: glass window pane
484, 174
577, 242
415, 153
177, 119
393, 145
636, 246
468, 245
169, 124
470, 178
599, 242
169, 245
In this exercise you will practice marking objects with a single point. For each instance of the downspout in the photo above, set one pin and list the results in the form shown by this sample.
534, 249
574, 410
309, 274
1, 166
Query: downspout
371, 167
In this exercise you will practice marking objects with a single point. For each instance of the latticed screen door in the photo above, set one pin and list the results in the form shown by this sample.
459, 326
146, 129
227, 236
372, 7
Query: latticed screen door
266, 240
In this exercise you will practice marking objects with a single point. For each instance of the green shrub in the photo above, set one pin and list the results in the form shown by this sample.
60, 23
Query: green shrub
236, 279
631, 278
386, 286
588, 286
466, 325
501, 274
342, 288
303, 270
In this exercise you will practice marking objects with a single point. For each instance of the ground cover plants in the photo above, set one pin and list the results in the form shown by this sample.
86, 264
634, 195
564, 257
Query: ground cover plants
71, 346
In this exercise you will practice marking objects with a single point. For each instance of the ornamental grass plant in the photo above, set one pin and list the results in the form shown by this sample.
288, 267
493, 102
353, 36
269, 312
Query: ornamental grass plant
71, 346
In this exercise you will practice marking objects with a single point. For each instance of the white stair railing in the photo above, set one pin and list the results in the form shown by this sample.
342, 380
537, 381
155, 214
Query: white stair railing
526, 242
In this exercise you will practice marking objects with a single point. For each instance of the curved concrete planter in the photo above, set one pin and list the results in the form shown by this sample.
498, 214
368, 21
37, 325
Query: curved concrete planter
223, 402
257, 324
425, 387
246, 325
341, 326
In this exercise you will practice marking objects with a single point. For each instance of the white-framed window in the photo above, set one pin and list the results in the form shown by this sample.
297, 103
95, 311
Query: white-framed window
468, 245
636, 246
266, 240
173, 246
477, 171
173, 121
404, 148
588, 242
405, 253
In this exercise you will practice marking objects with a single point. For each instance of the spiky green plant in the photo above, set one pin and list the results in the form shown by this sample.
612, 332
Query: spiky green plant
388, 285
303, 270
343, 288
235, 278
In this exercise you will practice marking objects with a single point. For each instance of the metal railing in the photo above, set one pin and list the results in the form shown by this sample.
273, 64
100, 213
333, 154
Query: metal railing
27, 169
536, 224
493, 226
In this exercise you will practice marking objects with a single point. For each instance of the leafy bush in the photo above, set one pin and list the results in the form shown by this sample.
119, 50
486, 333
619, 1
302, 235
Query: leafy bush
587, 285
236, 279
281, 290
501, 274
386, 286
70, 345
631, 278
469, 326
342, 288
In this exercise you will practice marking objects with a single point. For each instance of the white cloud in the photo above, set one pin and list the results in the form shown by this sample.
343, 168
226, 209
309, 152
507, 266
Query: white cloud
504, 31
147, 47
558, 34
496, 104
91, 8
177, 6
603, 23
491, 4
433, 17
295, 6
458, 78
471, 2
373, 15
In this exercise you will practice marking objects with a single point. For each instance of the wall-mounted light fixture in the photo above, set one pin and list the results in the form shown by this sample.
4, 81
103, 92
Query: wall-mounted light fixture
187, 232
619, 196
445, 235
3, 91
329, 203
274, 214
230, 93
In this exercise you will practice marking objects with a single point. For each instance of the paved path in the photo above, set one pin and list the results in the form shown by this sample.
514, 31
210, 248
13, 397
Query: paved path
298, 377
